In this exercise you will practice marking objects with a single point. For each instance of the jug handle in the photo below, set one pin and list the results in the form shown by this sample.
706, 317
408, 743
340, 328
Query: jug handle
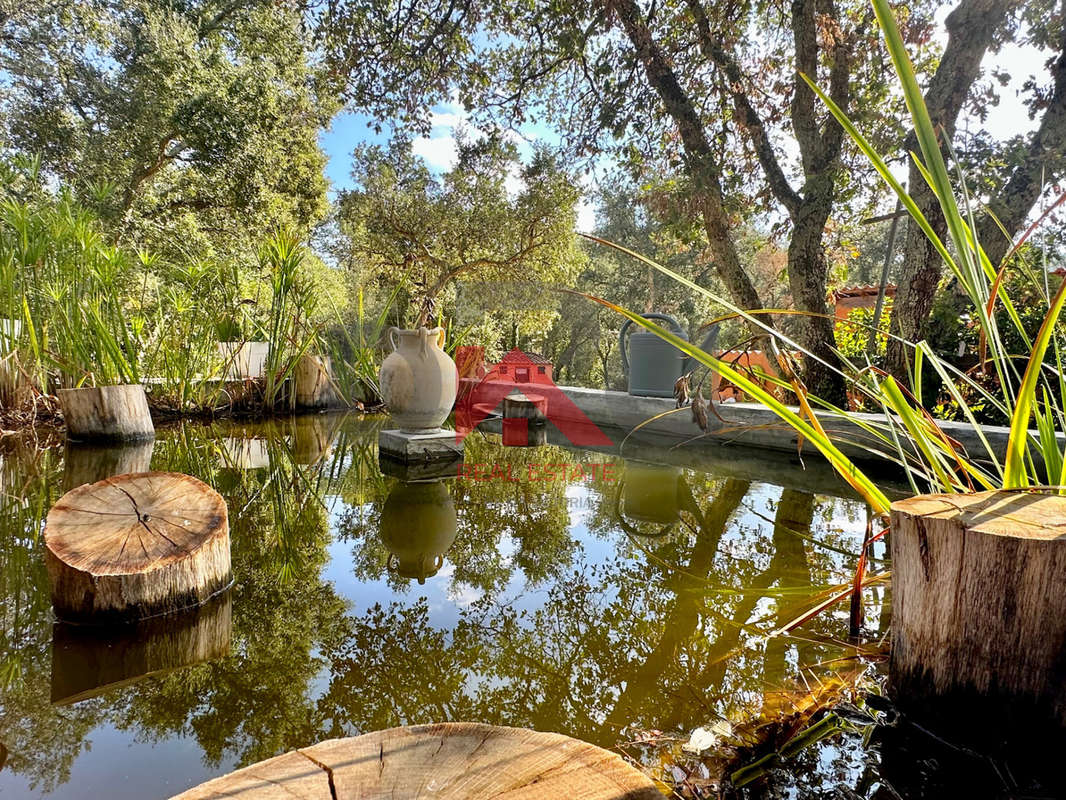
393, 330
389, 565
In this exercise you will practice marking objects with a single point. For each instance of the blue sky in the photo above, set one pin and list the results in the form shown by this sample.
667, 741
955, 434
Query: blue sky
438, 149
348, 130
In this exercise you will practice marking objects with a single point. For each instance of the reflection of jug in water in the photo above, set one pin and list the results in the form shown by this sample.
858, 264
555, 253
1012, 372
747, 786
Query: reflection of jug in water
649, 493
418, 526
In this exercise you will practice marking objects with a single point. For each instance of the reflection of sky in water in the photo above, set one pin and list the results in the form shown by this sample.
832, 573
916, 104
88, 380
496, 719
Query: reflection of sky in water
128, 764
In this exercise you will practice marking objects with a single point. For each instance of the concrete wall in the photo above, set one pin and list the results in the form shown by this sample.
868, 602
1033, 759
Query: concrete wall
751, 425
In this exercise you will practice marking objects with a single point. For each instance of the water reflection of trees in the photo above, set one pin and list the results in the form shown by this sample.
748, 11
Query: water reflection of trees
661, 631
503, 526
668, 640
41, 741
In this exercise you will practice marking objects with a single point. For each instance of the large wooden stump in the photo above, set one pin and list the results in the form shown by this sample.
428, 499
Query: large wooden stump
979, 607
117, 413
135, 546
313, 382
88, 661
451, 761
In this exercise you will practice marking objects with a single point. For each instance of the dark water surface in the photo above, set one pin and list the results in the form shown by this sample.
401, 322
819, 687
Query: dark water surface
553, 589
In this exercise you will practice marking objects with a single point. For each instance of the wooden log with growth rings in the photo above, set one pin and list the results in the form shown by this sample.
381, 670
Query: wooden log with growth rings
135, 546
450, 761
979, 605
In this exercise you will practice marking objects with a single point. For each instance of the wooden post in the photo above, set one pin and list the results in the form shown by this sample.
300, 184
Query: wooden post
135, 546
313, 382
449, 761
979, 607
116, 413
533, 407
524, 418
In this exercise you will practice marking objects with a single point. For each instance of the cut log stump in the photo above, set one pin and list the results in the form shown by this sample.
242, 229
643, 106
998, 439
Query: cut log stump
449, 761
114, 413
136, 546
979, 607
526, 405
313, 382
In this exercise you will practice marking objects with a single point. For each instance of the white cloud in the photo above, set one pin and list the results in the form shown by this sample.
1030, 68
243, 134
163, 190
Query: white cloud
440, 152
586, 215
513, 183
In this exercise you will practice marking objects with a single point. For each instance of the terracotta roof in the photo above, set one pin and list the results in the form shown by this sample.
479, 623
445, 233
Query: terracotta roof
521, 357
864, 291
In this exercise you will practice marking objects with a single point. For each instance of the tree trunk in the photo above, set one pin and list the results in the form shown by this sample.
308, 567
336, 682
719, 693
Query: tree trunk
971, 28
1043, 164
701, 164
979, 606
115, 413
136, 546
807, 275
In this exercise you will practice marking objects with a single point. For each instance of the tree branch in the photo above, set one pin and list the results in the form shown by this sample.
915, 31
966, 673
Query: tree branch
716, 52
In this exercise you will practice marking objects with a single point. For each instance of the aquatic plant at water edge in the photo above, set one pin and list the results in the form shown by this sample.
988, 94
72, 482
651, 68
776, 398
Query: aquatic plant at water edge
1027, 389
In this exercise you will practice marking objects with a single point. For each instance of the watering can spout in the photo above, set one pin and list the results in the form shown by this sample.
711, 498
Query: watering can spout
708, 345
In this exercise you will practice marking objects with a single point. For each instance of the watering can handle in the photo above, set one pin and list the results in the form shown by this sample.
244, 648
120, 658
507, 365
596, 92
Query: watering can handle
625, 327
708, 345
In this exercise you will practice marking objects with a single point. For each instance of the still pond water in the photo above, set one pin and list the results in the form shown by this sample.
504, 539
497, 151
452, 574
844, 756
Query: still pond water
562, 590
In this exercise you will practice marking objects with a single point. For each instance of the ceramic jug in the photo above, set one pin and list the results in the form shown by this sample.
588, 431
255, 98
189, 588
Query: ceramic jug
418, 380
653, 365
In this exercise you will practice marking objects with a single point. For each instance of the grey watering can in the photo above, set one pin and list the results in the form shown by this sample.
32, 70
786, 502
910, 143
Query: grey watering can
652, 364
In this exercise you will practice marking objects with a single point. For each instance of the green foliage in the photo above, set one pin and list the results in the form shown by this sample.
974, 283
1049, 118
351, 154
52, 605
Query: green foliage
288, 327
87, 312
173, 120
853, 333
931, 458
488, 220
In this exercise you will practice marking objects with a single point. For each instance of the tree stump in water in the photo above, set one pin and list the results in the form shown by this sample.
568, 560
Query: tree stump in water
117, 413
450, 761
136, 546
979, 607
313, 382
522, 405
